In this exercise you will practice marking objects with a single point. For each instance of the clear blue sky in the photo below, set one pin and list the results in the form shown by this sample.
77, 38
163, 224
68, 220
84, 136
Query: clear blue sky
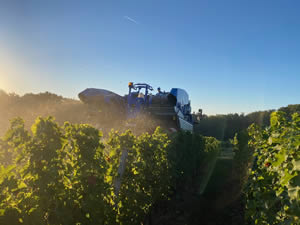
230, 55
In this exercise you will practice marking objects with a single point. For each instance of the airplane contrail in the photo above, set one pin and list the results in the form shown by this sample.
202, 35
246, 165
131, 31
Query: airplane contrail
131, 20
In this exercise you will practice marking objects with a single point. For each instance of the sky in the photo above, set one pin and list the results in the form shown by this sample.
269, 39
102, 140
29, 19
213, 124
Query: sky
231, 56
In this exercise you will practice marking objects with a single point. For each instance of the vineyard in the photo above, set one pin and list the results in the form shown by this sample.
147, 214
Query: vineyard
68, 174
64, 173
273, 192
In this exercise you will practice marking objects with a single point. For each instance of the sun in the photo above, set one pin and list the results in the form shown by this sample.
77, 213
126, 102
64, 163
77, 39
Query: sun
4, 81
3, 85
9, 71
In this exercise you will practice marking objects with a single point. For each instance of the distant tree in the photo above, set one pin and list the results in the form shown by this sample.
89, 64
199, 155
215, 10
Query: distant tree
290, 110
224, 127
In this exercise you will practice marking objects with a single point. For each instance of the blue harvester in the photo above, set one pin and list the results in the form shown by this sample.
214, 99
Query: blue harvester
173, 108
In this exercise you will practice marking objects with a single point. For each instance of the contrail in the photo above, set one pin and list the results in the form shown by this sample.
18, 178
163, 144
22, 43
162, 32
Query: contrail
132, 20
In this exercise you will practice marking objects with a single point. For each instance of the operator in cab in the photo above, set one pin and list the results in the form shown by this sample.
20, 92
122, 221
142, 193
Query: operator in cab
159, 92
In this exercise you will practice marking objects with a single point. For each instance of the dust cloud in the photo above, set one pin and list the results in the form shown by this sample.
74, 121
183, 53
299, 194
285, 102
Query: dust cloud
30, 106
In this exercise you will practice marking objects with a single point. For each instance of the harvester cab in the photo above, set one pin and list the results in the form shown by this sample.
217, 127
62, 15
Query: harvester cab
138, 98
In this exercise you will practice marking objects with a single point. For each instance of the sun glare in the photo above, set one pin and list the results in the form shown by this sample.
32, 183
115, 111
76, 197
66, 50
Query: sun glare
4, 81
